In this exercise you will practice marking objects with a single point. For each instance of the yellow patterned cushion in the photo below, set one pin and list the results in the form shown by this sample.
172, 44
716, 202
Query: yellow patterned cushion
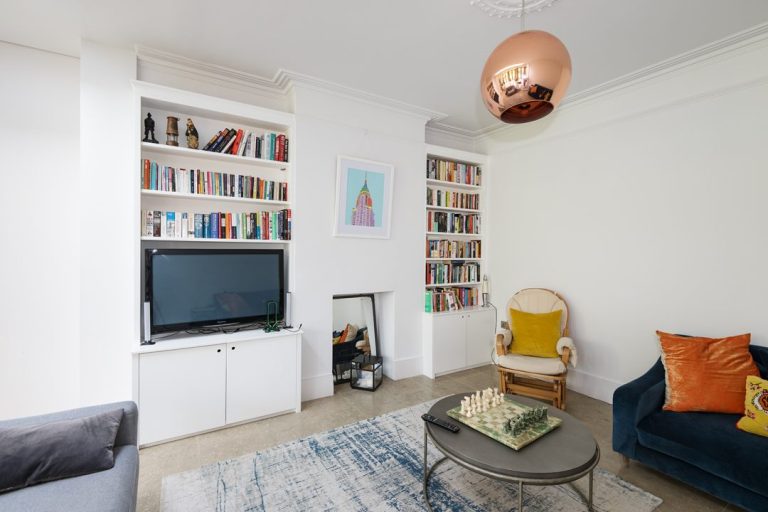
535, 334
755, 418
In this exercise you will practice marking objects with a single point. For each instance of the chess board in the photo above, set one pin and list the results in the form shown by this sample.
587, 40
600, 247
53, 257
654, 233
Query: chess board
491, 423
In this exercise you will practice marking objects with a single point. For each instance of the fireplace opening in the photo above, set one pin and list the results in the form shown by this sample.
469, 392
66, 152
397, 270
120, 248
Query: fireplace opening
354, 333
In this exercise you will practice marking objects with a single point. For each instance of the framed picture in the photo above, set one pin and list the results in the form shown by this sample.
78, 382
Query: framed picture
363, 198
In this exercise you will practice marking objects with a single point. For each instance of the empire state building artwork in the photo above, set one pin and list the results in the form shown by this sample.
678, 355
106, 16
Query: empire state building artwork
362, 213
363, 198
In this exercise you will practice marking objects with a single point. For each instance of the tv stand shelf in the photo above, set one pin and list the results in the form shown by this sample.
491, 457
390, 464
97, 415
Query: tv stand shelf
185, 340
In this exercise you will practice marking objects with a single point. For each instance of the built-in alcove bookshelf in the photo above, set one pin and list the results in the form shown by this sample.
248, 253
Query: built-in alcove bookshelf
454, 231
458, 330
189, 199
241, 194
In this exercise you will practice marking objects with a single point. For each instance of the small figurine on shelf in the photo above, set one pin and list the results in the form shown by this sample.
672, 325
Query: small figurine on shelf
192, 136
149, 129
172, 131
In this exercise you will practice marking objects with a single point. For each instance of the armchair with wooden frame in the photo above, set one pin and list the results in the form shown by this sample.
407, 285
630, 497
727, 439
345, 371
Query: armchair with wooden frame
543, 378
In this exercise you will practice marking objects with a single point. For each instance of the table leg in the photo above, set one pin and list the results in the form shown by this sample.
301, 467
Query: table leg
425, 461
520, 497
589, 504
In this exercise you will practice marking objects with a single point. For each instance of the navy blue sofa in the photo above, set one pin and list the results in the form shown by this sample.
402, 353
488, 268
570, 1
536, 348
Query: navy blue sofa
704, 450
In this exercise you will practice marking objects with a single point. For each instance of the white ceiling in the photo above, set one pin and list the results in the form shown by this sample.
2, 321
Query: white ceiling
427, 53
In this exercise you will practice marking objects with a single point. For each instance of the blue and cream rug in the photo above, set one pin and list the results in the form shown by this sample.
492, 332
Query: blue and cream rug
376, 465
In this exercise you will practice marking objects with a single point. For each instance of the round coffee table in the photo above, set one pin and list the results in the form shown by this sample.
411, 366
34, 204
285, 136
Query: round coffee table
566, 454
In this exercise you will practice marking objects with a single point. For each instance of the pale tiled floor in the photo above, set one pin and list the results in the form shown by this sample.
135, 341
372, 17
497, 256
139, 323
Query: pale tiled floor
349, 405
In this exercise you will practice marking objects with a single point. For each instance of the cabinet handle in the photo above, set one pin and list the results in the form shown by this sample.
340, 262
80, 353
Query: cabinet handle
233, 348
218, 350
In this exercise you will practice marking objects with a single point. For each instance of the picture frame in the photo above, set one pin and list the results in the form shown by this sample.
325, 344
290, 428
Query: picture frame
363, 198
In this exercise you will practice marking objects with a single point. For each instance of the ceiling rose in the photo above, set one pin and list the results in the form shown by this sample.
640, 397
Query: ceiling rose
510, 8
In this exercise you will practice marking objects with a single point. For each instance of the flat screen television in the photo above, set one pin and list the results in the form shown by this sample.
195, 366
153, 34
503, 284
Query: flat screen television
196, 288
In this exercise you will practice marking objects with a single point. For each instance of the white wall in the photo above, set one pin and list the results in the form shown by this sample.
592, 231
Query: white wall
348, 311
109, 199
646, 207
328, 125
39, 268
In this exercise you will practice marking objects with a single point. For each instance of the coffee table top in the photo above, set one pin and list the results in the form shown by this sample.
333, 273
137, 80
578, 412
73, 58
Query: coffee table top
568, 450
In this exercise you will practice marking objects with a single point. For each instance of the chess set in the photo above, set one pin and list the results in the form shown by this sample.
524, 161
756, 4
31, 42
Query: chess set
512, 424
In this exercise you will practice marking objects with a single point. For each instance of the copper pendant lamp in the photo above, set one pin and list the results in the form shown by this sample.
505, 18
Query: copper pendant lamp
526, 76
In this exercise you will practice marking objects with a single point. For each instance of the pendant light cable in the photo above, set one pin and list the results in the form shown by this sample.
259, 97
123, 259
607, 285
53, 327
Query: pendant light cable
522, 17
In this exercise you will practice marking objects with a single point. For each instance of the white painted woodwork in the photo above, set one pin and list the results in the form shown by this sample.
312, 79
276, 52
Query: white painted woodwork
261, 378
456, 340
479, 336
181, 392
199, 383
448, 339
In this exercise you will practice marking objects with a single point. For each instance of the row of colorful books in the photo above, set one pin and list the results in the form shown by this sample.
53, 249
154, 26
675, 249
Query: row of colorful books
455, 172
448, 199
450, 299
218, 225
454, 249
452, 273
268, 145
449, 222
212, 183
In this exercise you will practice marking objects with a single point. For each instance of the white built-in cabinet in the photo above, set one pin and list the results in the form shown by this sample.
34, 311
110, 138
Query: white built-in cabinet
456, 340
186, 389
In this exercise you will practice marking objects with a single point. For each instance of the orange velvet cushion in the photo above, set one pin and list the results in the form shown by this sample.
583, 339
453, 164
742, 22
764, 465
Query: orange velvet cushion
706, 374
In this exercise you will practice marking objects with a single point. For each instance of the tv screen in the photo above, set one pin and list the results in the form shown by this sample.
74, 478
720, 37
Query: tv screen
190, 288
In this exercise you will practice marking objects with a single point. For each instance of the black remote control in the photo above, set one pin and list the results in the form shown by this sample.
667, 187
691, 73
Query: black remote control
440, 423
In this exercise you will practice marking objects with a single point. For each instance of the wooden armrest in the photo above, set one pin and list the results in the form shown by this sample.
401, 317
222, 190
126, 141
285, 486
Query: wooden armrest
501, 350
566, 356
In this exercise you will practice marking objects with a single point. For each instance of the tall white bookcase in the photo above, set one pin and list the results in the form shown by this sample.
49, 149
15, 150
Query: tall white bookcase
462, 336
195, 383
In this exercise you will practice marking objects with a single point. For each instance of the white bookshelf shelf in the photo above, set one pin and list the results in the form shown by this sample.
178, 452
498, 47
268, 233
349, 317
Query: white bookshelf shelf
462, 235
449, 209
454, 259
449, 285
213, 240
209, 197
149, 147
452, 184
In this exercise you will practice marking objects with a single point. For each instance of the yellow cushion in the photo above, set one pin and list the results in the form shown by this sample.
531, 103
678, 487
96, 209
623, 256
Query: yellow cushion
535, 334
755, 418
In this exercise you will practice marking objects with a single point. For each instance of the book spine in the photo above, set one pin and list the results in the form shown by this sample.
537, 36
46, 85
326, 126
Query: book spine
230, 141
156, 230
238, 140
222, 135
211, 142
198, 226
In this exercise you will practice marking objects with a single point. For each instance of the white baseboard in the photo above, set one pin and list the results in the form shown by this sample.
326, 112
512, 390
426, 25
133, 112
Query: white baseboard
591, 385
316, 387
404, 368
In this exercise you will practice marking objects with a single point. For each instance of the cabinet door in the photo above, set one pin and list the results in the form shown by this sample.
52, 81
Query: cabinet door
479, 337
181, 392
449, 352
261, 378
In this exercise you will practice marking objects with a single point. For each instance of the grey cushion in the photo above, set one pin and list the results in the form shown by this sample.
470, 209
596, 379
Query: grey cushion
113, 490
61, 449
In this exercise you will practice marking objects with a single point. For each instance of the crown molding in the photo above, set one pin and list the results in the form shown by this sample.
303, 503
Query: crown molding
290, 79
752, 36
282, 83
207, 70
